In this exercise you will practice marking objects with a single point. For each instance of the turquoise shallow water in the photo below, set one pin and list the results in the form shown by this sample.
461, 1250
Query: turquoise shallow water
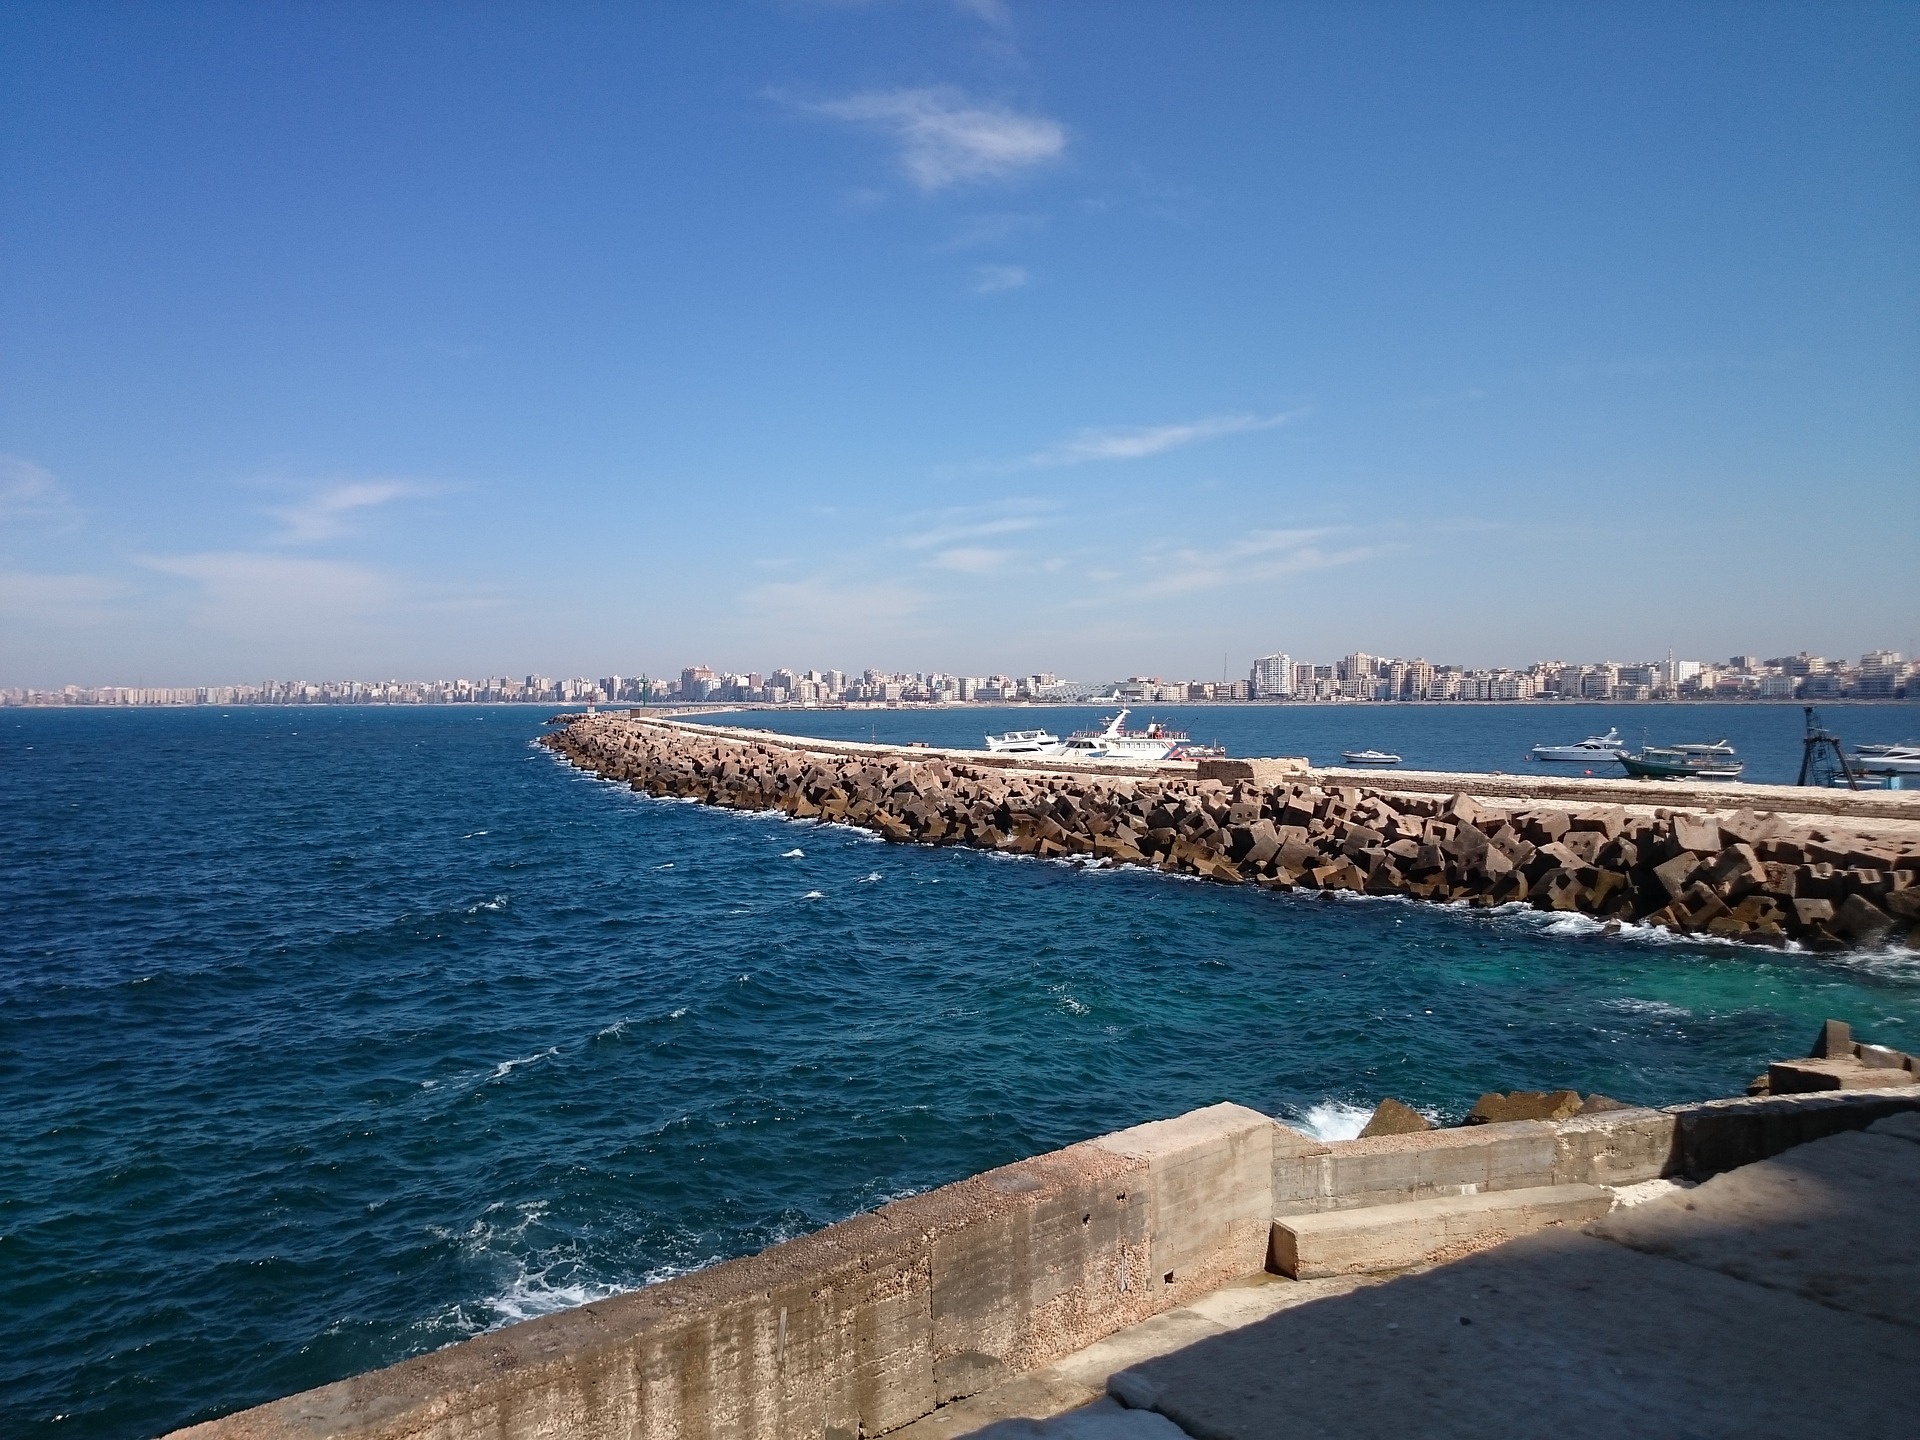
332, 1036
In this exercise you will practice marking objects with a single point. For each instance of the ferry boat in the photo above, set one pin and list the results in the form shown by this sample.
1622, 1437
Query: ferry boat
1710, 760
1026, 742
1113, 741
1594, 750
1369, 757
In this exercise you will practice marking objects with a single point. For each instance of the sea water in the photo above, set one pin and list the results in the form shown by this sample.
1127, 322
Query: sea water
332, 1036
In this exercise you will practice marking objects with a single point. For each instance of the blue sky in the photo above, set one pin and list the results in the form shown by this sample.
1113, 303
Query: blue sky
354, 340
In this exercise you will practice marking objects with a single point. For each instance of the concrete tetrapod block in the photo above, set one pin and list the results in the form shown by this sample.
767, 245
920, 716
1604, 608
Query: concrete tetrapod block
1390, 1237
1554, 1334
1835, 1221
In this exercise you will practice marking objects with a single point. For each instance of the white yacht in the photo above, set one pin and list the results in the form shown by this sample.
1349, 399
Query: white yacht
1369, 757
1595, 749
1903, 758
1113, 741
1026, 742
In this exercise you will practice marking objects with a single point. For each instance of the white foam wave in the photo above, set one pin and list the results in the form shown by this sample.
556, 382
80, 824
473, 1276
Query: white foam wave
794, 854
675, 1015
498, 902
1334, 1120
667, 866
619, 1027
532, 1293
875, 875
814, 895
1073, 1006
507, 1067
1627, 1005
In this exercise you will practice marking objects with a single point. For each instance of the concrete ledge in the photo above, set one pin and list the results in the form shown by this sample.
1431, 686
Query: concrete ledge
1391, 1237
1718, 1135
1388, 1169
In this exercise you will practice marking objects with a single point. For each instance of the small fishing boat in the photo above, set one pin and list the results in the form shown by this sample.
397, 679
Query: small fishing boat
1594, 750
1369, 757
1706, 760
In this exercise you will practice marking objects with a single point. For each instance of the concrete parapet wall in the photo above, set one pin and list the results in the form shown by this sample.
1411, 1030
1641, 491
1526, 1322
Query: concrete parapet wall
1613, 1147
857, 1329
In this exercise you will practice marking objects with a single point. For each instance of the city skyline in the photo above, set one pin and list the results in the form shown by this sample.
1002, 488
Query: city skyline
1107, 338
1357, 676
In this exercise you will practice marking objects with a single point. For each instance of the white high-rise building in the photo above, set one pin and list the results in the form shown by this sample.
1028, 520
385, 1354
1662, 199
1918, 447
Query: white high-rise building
1271, 678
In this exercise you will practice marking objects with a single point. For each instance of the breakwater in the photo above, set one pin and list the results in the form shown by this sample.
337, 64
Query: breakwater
1818, 868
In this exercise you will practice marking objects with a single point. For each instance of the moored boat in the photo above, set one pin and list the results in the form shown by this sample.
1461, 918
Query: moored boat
1707, 760
1025, 742
1113, 741
1369, 757
1901, 759
1594, 750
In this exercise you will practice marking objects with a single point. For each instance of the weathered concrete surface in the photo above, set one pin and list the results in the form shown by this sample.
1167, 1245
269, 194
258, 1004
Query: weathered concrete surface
1715, 1135
1836, 1221
1417, 1232
1555, 1334
1388, 1169
1211, 1173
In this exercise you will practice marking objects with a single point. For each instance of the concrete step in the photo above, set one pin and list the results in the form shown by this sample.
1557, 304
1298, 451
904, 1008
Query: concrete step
1388, 1237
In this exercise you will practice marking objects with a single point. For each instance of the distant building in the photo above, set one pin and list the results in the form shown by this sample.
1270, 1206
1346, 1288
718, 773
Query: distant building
1271, 678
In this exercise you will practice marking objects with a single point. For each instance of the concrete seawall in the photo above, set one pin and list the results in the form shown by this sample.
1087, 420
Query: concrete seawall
1766, 864
871, 1324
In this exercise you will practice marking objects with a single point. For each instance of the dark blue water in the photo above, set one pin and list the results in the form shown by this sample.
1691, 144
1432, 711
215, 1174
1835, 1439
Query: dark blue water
332, 1036
1426, 737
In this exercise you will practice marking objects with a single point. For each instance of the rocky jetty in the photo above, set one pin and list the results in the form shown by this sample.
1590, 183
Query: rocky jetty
1753, 876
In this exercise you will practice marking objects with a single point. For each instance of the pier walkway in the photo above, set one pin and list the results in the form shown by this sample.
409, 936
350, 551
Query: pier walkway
1777, 1299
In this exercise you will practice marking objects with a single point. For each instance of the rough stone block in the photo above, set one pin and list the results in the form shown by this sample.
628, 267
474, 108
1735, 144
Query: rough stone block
1697, 833
1390, 1237
1524, 1105
1392, 1117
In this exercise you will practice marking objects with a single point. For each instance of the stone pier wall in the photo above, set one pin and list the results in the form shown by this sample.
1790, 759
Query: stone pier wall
1767, 876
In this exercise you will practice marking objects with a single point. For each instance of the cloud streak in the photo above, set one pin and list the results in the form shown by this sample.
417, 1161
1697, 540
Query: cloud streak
29, 492
945, 138
327, 514
1261, 555
994, 279
249, 592
1137, 442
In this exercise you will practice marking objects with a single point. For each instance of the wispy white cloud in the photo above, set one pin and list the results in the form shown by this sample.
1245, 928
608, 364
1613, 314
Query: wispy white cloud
1136, 442
1259, 555
250, 592
946, 138
975, 522
992, 279
988, 230
327, 513
29, 492
972, 559
60, 600
992, 12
